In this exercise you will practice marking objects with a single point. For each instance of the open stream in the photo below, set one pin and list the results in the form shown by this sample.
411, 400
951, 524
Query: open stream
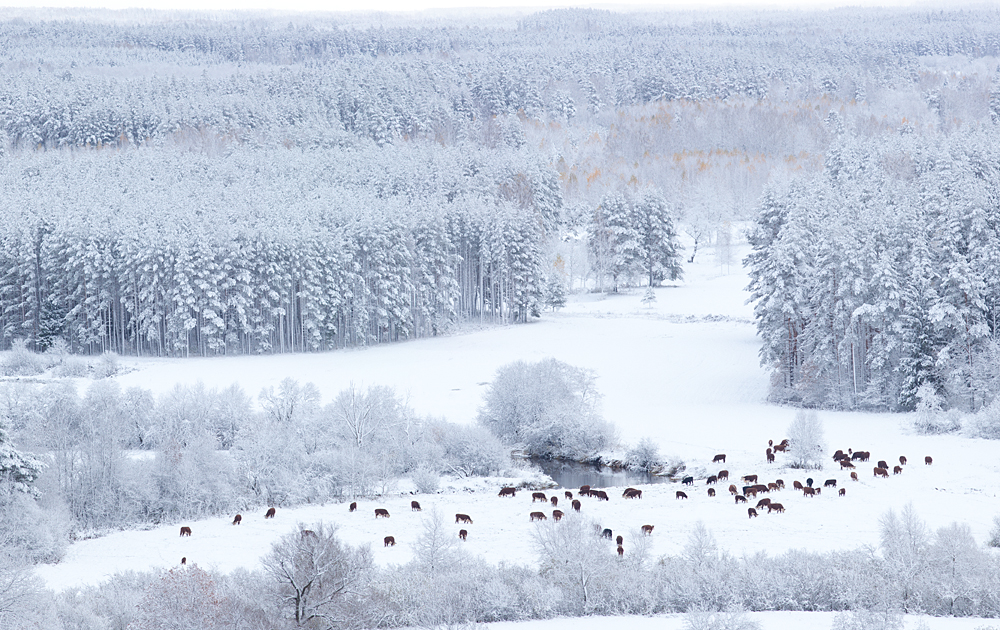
572, 475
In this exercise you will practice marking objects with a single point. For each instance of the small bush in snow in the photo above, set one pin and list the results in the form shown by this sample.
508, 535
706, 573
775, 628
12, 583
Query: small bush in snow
986, 423
994, 539
21, 361
868, 620
929, 418
645, 455
106, 366
728, 620
808, 445
426, 480
72, 367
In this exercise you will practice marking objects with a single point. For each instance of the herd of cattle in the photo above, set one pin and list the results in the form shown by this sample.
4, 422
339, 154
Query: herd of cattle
741, 495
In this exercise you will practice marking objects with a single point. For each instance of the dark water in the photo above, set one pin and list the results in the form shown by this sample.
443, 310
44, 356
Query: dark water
572, 475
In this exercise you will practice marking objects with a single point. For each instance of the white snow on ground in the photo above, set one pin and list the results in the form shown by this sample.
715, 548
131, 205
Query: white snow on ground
684, 372
767, 620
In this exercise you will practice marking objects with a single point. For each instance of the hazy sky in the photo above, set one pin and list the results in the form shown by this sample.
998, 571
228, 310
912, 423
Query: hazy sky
412, 5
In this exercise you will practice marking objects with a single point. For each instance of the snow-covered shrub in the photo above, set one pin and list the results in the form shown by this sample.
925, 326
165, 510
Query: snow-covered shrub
930, 418
644, 456
549, 408
986, 422
470, 450
994, 539
106, 366
808, 444
734, 619
72, 367
868, 620
21, 361
426, 480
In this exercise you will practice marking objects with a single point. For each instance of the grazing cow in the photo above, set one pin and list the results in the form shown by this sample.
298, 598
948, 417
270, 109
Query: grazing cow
865, 455
768, 451
687, 481
761, 488
809, 482
838, 455
307, 533
883, 464
463, 518
928, 460
681, 495
557, 515
462, 534
830, 483
854, 476
842, 492
785, 442
740, 499
621, 550
607, 534
763, 503
508, 492
569, 495
808, 492
585, 490
184, 560
389, 541
647, 530
796, 485
846, 463
902, 460
632, 493
775, 507
780, 448
353, 507
770, 458
750, 491
414, 506
711, 479
711, 492
381, 512
721, 457
269, 513
619, 540
576, 504
772, 487
554, 500
723, 475
732, 489
897, 469
185, 531
780, 484
751, 513
819, 490
538, 516
750, 478
881, 472
601, 495
539, 496
238, 519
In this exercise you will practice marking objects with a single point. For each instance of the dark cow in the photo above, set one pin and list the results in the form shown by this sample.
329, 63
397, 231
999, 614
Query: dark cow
381, 512
721, 457
796, 485
780, 484
846, 463
830, 483
632, 493
751, 513
740, 498
463, 518
770, 458
902, 460
601, 495
647, 530
607, 534
780, 448
238, 519
185, 531
539, 496
554, 500
576, 504
569, 495
711, 492
750, 478
763, 503
270, 513
462, 534
621, 550
750, 491
897, 469
808, 492
619, 540
839, 455
775, 507
881, 472
842, 492
507, 492
687, 481
928, 460
681, 495
732, 489
809, 482
711, 479
353, 507
538, 516
882, 464
414, 506
585, 490
557, 515
389, 541
723, 475
184, 560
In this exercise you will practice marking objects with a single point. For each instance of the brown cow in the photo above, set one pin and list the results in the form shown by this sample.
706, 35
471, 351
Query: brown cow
569, 495
585, 491
770, 458
554, 500
854, 476
711, 479
882, 464
750, 491
576, 504
463, 518
928, 460
508, 492
775, 507
750, 478
842, 492
809, 492
538, 516
721, 457
184, 560
732, 489
830, 483
632, 493
619, 540
897, 469
711, 492
763, 503
381, 512
780, 448
353, 507
389, 541
270, 513
462, 534
621, 550
846, 463
238, 519
772, 487
723, 475
779, 483
414, 506
740, 498
601, 495
796, 485
681, 495
539, 496
761, 488
185, 531
839, 455
881, 472
751, 512
557, 515
647, 530
902, 460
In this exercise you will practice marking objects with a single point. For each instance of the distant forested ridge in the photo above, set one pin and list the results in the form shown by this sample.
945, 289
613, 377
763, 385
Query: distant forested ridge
232, 183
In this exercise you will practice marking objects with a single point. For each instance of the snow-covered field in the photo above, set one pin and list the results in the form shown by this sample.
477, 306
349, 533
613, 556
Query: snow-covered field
684, 373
